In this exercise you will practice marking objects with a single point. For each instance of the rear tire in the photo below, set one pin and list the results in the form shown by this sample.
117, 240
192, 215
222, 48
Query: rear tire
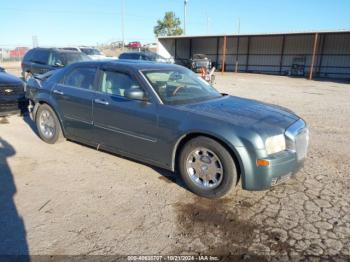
48, 125
207, 168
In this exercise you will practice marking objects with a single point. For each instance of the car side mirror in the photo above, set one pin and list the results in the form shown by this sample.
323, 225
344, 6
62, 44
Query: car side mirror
135, 94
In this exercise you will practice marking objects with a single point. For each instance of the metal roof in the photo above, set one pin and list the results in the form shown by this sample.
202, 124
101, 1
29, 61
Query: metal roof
259, 34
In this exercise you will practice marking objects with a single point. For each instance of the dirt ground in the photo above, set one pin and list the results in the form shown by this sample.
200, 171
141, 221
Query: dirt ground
12, 67
71, 199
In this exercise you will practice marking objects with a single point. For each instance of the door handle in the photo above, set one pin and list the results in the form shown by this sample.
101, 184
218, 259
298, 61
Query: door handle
58, 92
102, 102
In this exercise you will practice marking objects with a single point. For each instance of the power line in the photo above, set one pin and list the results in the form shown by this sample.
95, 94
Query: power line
71, 12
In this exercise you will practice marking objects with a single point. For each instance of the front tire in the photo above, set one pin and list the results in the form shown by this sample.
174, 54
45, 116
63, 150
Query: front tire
207, 168
48, 125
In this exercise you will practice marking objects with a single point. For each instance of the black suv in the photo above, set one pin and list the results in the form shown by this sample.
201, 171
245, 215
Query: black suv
42, 60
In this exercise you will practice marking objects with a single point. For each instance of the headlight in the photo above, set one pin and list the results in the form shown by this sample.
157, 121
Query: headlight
275, 144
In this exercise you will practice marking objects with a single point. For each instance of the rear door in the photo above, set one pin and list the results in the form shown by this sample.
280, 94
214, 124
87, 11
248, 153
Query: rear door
74, 96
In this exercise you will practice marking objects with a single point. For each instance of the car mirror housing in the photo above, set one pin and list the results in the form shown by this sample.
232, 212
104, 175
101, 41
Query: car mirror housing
135, 94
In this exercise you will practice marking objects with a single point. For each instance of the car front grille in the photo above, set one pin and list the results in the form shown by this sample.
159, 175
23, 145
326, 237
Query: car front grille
11, 90
301, 143
297, 139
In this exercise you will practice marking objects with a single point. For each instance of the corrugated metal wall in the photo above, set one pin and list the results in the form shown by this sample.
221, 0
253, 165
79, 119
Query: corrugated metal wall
274, 54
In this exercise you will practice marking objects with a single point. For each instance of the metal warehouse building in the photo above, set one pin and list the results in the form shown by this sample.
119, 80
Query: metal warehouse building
311, 54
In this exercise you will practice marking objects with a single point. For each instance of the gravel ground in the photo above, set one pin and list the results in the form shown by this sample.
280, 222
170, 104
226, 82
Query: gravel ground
71, 199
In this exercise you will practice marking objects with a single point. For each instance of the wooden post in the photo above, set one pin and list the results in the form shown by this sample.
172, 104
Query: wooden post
217, 52
223, 55
313, 56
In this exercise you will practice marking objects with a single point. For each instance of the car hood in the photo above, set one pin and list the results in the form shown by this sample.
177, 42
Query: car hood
9, 80
245, 113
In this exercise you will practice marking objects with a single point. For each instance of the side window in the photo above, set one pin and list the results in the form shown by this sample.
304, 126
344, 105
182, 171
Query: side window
55, 59
137, 57
124, 56
145, 57
41, 56
28, 56
82, 77
116, 83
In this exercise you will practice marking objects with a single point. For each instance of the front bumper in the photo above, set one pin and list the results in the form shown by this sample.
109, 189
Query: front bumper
282, 165
11, 106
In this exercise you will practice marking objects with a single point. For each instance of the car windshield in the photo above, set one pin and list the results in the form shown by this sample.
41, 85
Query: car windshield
90, 51
72, 57
180, 86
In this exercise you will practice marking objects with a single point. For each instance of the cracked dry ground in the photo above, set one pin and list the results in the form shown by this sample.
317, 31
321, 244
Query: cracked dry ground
100, 203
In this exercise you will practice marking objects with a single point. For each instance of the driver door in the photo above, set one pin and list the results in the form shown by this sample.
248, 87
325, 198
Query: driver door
125, 125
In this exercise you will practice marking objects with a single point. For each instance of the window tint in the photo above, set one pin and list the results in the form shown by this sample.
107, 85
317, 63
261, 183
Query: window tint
72, 57
180, 86
55, 59
147, 58
116, 83
91, 51
130, 56
28, 56
82, 77
41, 56
71, 49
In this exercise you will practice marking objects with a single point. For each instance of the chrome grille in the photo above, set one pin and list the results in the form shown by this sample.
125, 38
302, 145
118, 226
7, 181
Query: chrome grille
297, 138
301, 143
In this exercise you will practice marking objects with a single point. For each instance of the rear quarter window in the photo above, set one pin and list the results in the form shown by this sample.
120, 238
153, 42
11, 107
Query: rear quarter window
28, 56
41, 56
81, 77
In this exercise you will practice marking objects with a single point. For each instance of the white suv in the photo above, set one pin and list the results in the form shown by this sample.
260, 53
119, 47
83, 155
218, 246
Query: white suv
91, 52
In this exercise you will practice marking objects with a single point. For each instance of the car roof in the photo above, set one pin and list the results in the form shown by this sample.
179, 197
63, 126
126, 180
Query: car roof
132, 64
141, 52
61, 50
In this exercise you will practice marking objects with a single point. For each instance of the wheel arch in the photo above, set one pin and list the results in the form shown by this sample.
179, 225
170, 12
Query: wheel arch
43, 101
187, 137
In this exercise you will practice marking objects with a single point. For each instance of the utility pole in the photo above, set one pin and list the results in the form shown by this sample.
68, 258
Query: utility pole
35, 41
122, 23
208, 23
185, 14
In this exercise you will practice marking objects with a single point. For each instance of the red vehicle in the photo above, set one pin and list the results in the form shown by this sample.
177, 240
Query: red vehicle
18, 52
134, 44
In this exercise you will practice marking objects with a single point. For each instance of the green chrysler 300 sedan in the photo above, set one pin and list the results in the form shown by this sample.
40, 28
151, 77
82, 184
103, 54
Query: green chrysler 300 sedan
167, 116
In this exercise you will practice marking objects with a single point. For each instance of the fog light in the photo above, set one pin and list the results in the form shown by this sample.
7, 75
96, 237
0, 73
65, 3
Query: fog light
262, 162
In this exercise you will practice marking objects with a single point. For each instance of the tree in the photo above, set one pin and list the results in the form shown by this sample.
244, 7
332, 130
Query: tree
170, 25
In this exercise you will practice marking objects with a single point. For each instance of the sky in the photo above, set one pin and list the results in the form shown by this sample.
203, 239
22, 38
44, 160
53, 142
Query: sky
91, 22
